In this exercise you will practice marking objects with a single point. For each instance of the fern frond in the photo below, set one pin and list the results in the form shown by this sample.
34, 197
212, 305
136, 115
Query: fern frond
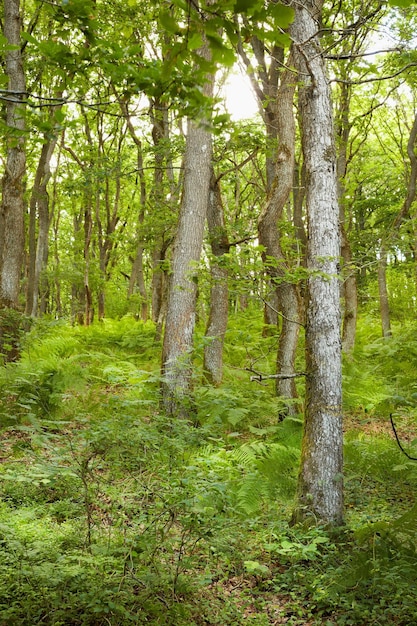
271, 472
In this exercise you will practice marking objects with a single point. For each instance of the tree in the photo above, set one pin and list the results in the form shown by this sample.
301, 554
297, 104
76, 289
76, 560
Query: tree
358, 21
269, 225
219, 291
274, 85
180, 318
39, 207
320, 485
12, 235
393, 231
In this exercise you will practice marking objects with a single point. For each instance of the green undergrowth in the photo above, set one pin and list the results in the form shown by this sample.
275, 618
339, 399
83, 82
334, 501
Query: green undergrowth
112, 514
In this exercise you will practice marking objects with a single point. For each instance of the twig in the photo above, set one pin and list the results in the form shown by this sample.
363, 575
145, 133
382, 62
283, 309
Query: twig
269, 305
259, 377
412, 458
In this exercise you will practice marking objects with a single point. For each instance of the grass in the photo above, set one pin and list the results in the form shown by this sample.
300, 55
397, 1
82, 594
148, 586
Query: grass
112, 514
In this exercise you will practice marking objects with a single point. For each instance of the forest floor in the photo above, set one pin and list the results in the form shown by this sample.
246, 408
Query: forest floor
110, 514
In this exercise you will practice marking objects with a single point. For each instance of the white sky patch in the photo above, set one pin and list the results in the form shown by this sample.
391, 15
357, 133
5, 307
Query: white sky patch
239, 98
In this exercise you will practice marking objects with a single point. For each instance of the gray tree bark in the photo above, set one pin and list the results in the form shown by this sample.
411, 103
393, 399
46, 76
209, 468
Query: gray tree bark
320, 485
219, 293
269, 237
181, 307
383, 294
12, 236
349, 288
39, 204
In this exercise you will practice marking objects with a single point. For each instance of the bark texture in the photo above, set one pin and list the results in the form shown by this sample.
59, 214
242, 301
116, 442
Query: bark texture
320, 487
269, 237
181, 307
349, 287
39, 204
383, 294
12, 237
219, 293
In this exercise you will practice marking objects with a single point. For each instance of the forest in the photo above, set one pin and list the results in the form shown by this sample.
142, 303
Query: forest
208, 334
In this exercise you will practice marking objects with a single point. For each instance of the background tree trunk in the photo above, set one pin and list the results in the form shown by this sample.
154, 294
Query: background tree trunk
219, 292
39, 204
270, 238
383, 294
12, 235
349, 287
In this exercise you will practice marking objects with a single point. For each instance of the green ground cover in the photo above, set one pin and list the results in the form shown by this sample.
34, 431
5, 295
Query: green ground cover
112, 514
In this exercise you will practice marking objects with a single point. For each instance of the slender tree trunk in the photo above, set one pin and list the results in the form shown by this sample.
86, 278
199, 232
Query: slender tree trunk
349, 288
160, 136
181, 308
55, 219
350, 293
320, 485
39, 204
270, 238
12, 235
77, 287
88, 232
265, 79
393, 231
219, 292
383, 294
137, 275
298, 199
158, 280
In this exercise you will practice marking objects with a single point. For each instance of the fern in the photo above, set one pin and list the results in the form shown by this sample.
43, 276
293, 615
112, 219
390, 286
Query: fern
270, 470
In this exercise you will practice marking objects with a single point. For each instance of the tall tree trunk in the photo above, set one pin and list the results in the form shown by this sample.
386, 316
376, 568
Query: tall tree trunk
159, 280
88, 232
350, 294
270, 238
39, 204
219, 292
349, 288
55, 219
181, 308
383, 293
388, 240
265, 81
163, 166
12, 234
320, 485
137, 275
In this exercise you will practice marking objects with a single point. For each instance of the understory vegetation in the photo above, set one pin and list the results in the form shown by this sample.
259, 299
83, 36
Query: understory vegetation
112, 514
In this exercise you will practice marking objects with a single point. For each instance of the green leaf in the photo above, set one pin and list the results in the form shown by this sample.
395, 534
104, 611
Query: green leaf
254, 567
277, 38
195, 41
283, 15
168, 23
245, 6
234, 416
59, 115
401, 3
